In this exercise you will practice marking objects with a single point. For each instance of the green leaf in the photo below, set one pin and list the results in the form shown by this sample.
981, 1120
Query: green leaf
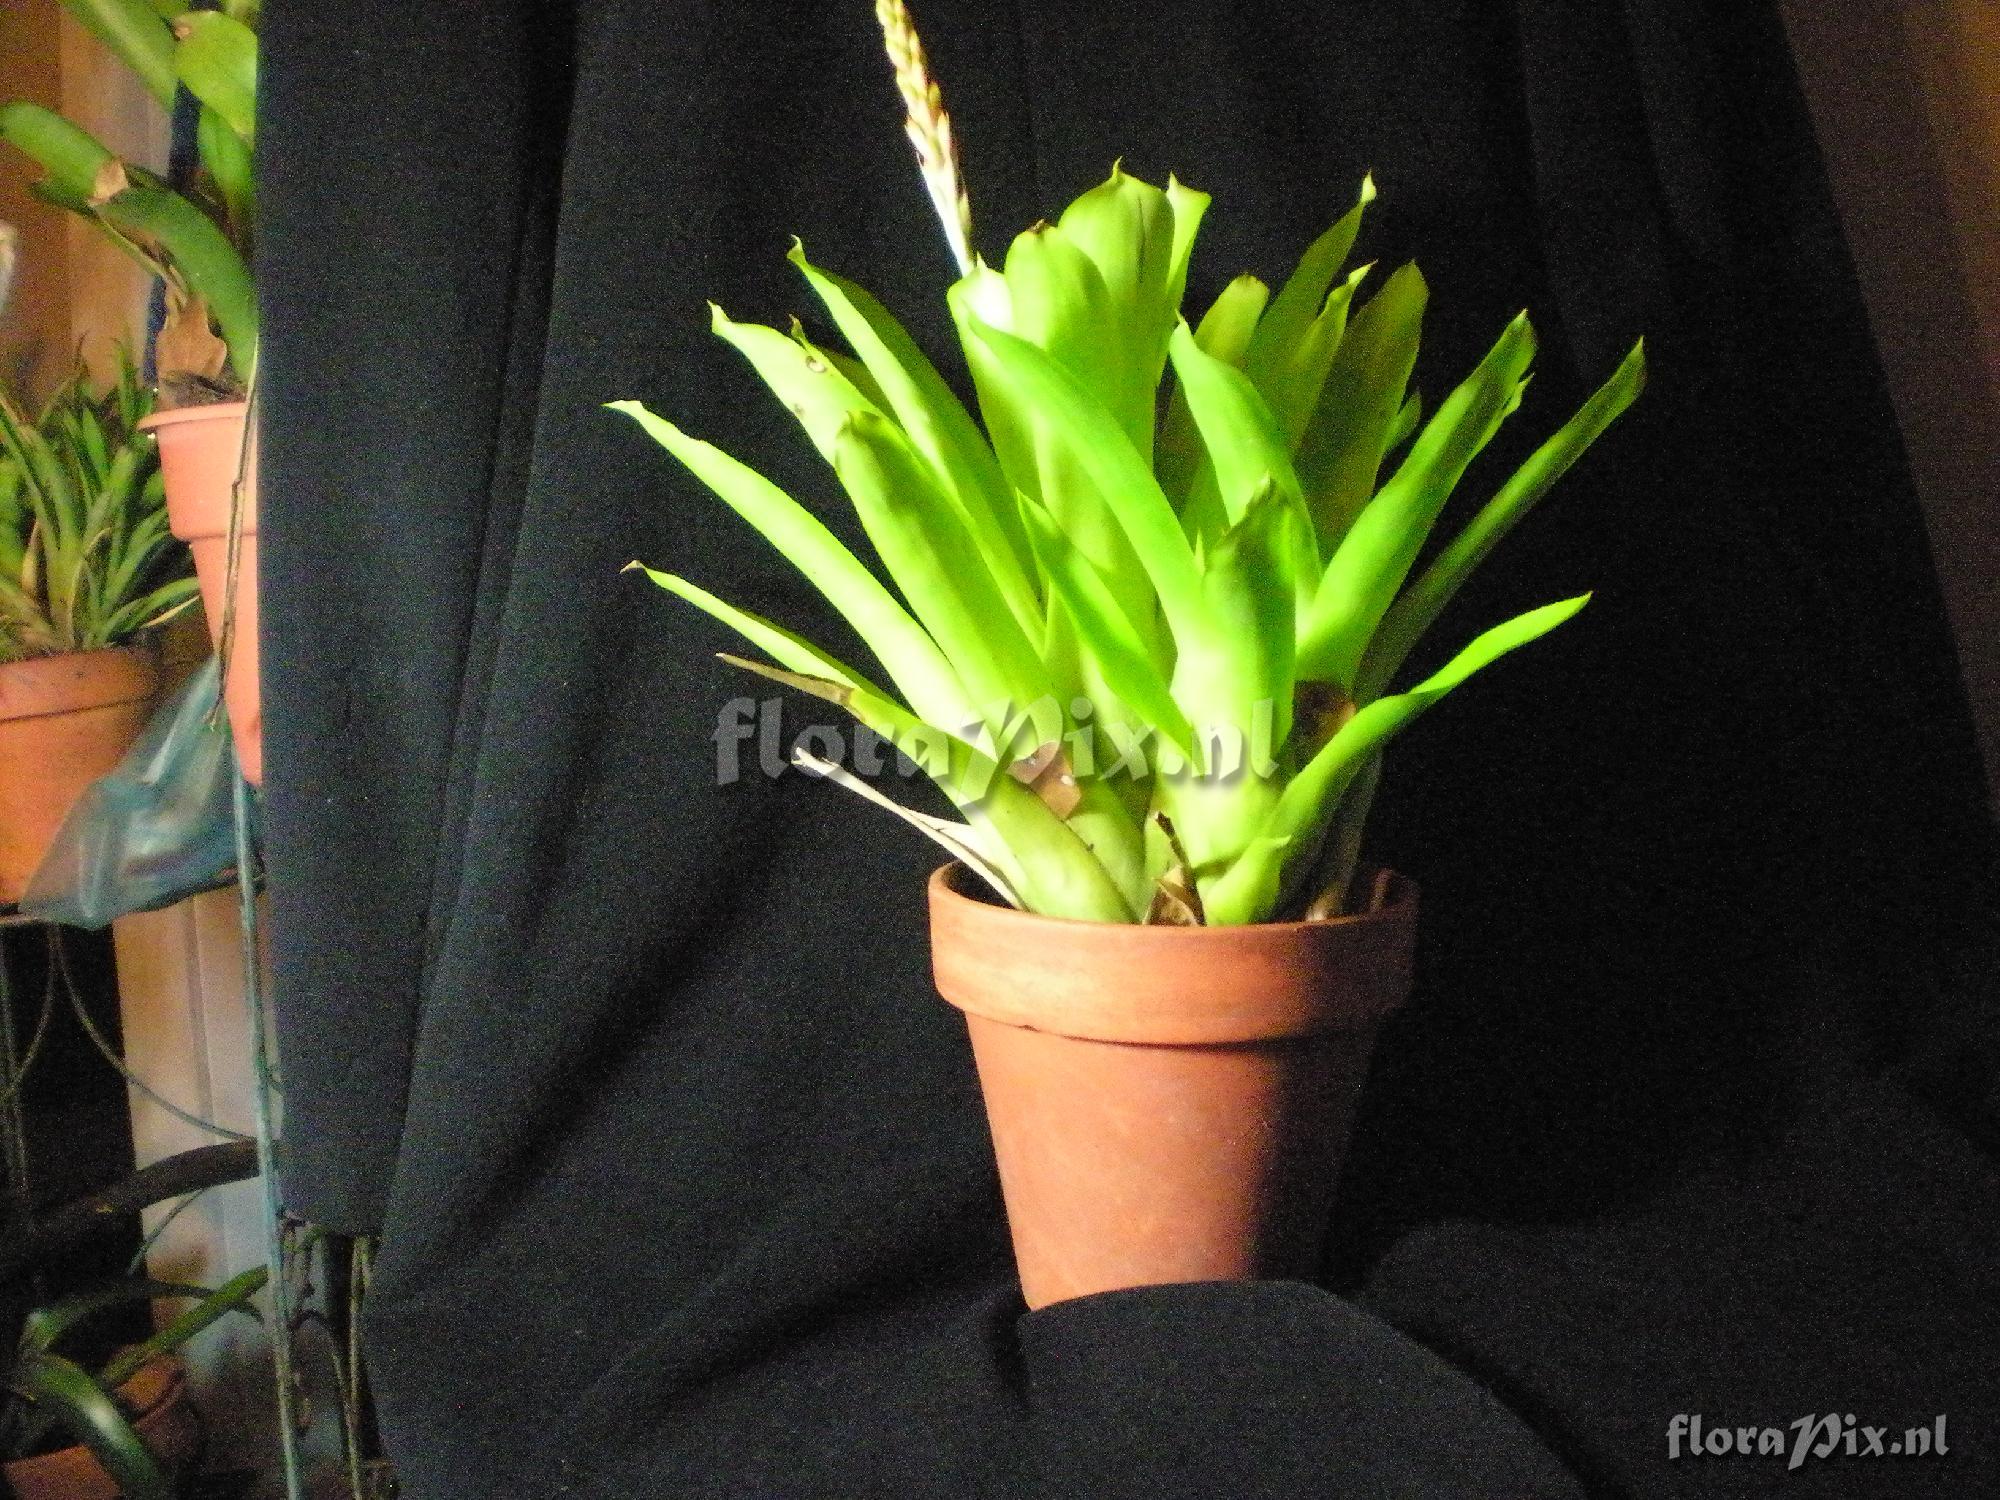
812, 390
147, 612
44, 1325
227, 157
931, 556
137, 36
824, 400
1375, 556
1224, 332
89, 1415
1059, 303
1190, 206
1240, 437
1071, 426
1140, 239
940, 428
232, 1296
200, 256
217, 61
1299, 302
786, 647
1119, 655
1419, 606
1253, 887
1341, 450
72, 157
1292, 378
1230, 323
856, 372
1239, 671
906, 652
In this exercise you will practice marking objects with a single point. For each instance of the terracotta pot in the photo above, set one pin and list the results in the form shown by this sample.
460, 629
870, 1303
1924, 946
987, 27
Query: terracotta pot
166, 1423
64, 722
1167, 1104
201, 448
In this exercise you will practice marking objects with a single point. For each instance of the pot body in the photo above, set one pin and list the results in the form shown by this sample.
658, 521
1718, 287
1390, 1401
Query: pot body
201, 449
64, 721
166, 1423
1167, 1104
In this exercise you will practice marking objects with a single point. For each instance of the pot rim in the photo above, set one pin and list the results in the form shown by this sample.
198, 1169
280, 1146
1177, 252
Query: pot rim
208, 411
1163, 985
161, 1379
44, 686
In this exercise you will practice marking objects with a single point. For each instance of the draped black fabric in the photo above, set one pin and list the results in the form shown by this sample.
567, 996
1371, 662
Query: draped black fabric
678, 1161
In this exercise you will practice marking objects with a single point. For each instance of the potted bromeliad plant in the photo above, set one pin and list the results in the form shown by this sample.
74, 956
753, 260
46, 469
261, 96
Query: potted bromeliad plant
87, 569
199, 240
1145, 626
72, 1432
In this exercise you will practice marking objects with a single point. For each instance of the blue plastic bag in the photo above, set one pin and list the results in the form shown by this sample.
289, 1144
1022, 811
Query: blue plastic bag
158, 829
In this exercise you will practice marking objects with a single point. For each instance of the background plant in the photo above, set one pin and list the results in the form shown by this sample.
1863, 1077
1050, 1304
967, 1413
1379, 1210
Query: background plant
200, 240
54, 1401
1223, 557
86, 559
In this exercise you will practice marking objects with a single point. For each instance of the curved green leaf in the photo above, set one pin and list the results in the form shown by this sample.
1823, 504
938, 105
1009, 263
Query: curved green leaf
1375, 556
938, 425
137, 36
1239, 434
1419, 606
44, 1325
1300, 302
934, 562
909, 655
825, 400
227, 157
1254, 885
1070, 424
217, 61
199, 254
232, 1296
1340, 453
72, 157
87, 1413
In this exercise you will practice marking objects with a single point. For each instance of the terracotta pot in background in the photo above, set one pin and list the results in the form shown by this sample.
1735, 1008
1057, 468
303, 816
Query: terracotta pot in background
64, 721
165, 1420
201, 448
1167, 1104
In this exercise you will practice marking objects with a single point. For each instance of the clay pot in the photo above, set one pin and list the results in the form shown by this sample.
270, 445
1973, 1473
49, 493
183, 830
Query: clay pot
1168, 1104
201, 448
64, 721
166, 1423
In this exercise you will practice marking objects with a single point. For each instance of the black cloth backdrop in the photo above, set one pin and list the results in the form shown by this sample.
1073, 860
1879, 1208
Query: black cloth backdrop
679, 1162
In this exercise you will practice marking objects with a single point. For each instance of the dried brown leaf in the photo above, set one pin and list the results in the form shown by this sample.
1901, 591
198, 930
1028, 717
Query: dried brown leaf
1175, 901
109, 182
1047, 773
189, 347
